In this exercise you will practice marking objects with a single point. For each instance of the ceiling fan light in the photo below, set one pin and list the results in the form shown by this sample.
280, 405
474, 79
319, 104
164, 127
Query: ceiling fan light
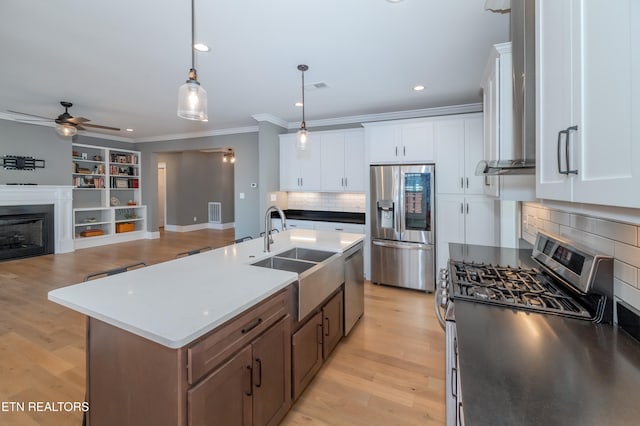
192, 101
66, 130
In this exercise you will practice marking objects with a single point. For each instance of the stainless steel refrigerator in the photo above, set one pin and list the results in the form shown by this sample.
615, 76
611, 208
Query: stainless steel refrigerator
402, 213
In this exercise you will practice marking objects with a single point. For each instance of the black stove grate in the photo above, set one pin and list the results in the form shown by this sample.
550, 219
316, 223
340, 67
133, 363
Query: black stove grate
518, 288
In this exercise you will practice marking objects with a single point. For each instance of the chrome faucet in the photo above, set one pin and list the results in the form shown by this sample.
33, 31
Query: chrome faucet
268, 239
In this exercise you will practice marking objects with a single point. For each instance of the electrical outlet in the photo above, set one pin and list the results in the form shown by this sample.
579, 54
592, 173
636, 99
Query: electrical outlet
242, 195
273, 197
195, 219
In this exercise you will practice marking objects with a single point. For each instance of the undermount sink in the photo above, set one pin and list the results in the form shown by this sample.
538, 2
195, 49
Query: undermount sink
284, 264
310, 255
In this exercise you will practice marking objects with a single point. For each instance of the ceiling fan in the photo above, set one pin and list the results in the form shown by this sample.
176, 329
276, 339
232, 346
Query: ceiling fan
66, 124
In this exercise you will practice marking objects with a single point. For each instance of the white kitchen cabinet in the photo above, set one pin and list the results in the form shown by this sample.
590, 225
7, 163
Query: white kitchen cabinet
343, 164
465, 219
459, 149
588, 101
402, 141
300, 170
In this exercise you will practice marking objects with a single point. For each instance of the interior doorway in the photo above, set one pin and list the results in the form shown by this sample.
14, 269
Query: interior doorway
162, 194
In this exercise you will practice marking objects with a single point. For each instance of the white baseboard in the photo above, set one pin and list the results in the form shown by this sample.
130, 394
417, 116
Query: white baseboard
198, 226
228, 225
152, 235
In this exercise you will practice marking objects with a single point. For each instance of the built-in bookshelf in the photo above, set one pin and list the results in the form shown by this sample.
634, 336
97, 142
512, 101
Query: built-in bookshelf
106, 195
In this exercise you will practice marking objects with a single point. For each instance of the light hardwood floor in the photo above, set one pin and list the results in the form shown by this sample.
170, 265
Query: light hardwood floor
388, 371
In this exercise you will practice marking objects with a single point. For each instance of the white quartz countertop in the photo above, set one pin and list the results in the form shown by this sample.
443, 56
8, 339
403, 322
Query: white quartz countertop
175, 302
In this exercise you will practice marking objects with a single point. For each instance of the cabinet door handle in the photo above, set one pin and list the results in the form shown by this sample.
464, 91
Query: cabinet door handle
319, 333
404, 151
250, 371
346, 182
566, 149
327, 332
467, 182
259, 381
462, 183
560, 133
454, 382
461, 208
251, 326
342, 182
396, 150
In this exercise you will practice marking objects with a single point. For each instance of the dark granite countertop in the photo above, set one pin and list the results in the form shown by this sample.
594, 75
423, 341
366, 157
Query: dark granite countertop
323, 216
520, 368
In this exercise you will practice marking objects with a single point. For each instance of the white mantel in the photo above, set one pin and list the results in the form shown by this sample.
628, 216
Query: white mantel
61, 196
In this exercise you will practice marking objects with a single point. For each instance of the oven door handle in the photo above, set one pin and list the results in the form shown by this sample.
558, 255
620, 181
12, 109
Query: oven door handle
437, 296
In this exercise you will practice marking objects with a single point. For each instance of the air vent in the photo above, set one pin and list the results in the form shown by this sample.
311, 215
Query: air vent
315, 86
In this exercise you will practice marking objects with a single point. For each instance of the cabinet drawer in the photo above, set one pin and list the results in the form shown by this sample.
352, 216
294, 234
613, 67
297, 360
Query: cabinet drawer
220, 344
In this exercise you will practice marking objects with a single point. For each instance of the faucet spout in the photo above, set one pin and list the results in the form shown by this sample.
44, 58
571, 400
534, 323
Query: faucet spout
268, 239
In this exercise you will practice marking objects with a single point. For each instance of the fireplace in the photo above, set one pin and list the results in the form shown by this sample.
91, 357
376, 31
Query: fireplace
26, 231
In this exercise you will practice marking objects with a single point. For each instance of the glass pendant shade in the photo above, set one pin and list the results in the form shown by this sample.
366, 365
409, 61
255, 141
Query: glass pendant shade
303, 136
192, 101
66, 130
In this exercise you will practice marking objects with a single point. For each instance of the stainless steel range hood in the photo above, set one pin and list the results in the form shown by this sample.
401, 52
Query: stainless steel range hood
523, 59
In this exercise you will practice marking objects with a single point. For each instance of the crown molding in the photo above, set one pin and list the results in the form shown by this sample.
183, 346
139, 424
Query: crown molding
397, 115
179, 136
271, 119
353, 119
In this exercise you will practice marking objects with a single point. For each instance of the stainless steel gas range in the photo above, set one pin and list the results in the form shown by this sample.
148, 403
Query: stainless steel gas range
565, 280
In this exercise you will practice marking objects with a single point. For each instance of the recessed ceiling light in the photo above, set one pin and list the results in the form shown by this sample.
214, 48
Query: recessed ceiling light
418, 87
129, 130
394, 1
298, 104
201, 47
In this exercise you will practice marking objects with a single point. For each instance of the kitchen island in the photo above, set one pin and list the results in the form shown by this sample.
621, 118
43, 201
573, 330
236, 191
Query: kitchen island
164, 342
520, 368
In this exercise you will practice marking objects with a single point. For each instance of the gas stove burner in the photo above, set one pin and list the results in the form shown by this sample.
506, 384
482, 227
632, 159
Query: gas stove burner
532, 300
484, 293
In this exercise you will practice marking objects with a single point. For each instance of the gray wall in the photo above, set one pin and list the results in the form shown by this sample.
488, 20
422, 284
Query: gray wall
40, 142
269, 161
193, 179
246, 168
43, 143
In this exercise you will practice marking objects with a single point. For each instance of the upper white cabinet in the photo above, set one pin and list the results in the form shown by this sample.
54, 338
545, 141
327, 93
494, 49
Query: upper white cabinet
343, 166
300, 170
402, 141
459, 148
588, 101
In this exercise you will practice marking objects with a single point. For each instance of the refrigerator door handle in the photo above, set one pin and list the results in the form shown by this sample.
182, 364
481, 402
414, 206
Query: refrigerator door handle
402, 245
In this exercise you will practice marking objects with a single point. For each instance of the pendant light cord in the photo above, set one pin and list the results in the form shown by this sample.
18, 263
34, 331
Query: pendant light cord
193, 36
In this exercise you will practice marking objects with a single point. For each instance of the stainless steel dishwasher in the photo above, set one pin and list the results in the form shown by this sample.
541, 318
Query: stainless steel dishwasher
353, 287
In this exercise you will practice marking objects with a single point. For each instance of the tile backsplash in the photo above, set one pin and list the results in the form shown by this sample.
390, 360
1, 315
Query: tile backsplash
618, 239
327, 201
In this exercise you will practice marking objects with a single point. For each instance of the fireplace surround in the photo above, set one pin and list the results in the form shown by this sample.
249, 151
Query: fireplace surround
60, 196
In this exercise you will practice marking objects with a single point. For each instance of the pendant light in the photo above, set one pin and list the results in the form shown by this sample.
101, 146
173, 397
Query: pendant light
192, 98
303, 133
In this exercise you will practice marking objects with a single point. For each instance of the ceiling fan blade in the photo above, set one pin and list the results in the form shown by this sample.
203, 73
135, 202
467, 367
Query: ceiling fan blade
97, 126
31, 115
36, 120
77, 120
